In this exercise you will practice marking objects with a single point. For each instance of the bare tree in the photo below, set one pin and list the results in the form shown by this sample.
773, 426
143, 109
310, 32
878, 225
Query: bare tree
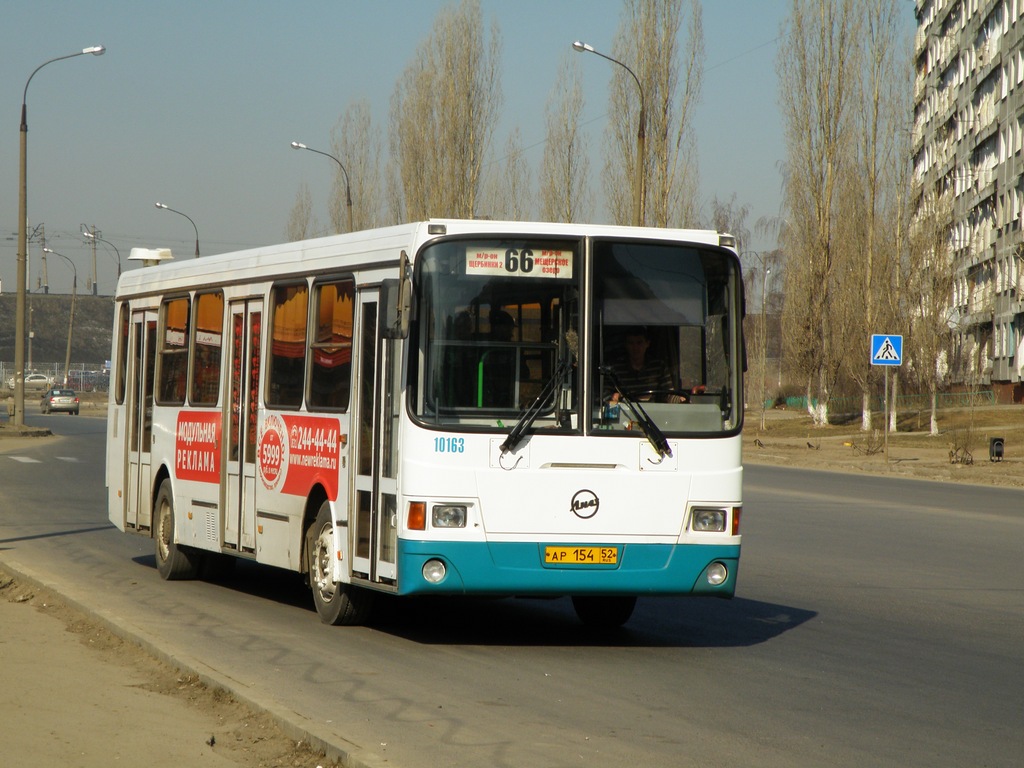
507, 192
771, 229
931, 274
442, 116
565, 167
357, 146
731, 217
648, 43
815, 73
761, 270
302, 223
897, 212
878, 119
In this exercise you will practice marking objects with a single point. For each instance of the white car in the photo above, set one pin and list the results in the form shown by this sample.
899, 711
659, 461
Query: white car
33, 381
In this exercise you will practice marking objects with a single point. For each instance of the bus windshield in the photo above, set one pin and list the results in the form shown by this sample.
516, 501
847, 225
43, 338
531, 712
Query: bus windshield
500, 336
495, 318
666, 344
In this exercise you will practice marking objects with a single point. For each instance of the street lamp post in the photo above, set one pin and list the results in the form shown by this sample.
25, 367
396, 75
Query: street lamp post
765, 271
639, 176
95, 236
71, 317
165, 208
19, 312
348, 190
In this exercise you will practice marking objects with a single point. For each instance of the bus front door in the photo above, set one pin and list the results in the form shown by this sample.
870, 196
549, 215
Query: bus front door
374, 533
139, 407
240, 432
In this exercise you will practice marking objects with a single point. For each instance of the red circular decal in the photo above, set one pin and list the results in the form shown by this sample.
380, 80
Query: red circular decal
271, 456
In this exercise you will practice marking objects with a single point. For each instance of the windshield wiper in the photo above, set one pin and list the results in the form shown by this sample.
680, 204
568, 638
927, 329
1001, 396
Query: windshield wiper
651, 430
515, 436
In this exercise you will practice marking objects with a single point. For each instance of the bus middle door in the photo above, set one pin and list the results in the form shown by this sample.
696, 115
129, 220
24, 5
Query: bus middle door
242, 402
139, 396
374, 533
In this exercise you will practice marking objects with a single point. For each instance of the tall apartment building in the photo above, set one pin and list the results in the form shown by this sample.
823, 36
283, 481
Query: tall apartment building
967, 142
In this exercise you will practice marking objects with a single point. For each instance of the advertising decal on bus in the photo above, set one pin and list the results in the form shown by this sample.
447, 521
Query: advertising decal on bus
273, 452
296, 452
197, 446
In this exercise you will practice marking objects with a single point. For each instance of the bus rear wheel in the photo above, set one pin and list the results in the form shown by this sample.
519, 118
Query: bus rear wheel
172, 561
337, 604
604, 611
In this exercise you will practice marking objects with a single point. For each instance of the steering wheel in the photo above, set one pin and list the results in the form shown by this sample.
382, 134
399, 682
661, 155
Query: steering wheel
660, 395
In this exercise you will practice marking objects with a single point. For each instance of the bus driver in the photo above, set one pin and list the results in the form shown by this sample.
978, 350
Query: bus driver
639, 374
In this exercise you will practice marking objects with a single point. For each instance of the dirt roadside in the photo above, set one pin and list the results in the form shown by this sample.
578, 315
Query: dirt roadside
74, 693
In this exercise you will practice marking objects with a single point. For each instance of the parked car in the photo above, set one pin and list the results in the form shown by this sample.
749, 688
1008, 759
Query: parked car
88, 381
59, 399
33, 381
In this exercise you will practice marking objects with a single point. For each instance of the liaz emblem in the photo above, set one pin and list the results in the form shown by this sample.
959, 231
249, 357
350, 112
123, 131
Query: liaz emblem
585, 504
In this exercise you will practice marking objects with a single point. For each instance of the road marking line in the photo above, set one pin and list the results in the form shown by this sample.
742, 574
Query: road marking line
26, 460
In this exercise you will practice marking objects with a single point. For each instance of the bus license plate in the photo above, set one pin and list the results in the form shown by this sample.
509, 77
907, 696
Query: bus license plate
582, 555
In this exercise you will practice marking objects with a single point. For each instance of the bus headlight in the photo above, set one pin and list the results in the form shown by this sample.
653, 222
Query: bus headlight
448, 516
434, 571
707, 520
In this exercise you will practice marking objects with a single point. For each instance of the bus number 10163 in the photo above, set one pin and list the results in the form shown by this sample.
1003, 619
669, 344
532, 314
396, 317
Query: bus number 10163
449, 445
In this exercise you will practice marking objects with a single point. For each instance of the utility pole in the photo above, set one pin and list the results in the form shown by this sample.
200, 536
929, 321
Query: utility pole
95, 276
45, 275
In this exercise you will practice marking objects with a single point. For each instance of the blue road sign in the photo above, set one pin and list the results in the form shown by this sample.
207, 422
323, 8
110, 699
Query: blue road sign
886, 349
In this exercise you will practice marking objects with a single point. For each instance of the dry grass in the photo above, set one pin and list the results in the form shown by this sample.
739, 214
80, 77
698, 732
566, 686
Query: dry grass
912, 427
959, 452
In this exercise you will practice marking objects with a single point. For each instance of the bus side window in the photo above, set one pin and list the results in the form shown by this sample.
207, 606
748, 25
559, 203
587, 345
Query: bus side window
120, 372
287, 345
173, 352
331, 349
208, 330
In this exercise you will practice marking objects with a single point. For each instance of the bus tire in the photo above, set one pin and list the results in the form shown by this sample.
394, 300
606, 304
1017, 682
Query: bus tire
604, 611
336, 604
172, 561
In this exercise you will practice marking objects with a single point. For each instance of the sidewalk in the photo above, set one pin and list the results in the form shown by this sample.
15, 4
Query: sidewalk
73, 693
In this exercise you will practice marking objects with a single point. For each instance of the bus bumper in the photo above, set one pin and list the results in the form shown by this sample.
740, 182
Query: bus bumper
518, 569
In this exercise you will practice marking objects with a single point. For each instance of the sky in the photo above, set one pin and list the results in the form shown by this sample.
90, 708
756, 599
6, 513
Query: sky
194, 104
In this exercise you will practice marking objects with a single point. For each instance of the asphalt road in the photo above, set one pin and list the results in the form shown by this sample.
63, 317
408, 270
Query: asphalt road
877, 622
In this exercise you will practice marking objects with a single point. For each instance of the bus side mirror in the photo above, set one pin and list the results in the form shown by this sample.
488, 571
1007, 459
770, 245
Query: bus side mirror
397, 298
389, 298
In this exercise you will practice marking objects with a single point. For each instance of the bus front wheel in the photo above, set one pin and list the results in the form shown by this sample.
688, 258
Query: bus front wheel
604, 611
335, 603
172, 561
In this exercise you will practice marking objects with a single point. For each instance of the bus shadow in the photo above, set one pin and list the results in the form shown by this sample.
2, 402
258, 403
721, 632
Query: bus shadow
248, 578
657, 622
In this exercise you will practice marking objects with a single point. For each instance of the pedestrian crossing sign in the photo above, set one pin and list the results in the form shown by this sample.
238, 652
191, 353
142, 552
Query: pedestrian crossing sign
886, 349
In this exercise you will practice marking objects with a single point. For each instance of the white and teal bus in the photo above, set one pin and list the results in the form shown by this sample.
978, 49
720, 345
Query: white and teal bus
442, 408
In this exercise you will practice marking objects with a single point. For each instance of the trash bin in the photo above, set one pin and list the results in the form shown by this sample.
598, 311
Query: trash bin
995, 449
